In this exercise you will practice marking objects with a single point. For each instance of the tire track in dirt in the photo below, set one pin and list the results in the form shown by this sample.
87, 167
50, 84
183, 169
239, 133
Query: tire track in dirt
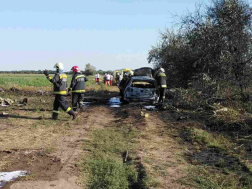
158, 152
69, 149
161, 155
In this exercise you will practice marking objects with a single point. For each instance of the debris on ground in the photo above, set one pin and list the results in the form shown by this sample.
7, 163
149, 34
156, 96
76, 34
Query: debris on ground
221, 110
114, 102
1, 90
41, 92
43, 101
183, 117
150, 108
25, 101
14, 89
5, 101
144, 114
10, 176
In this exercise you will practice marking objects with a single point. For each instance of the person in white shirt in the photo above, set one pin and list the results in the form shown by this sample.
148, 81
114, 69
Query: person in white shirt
107, 79
97, 78
111, 80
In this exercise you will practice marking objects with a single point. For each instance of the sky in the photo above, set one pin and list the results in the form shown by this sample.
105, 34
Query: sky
108, 34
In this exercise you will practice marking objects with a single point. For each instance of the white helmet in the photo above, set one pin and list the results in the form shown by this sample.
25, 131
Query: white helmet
59, 66
162, 69
131, 73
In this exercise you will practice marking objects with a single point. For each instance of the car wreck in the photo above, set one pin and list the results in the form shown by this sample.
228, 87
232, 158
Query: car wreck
141, 88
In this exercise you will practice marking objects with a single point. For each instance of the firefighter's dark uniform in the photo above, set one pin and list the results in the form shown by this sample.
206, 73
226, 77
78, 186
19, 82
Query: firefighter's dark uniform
78, 89
60, 91
123, 84
161, 80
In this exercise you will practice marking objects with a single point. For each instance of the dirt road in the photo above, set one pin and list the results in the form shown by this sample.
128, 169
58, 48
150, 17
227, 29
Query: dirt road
52, 151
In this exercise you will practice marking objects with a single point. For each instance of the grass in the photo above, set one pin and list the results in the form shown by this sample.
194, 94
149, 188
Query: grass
218, 163
105, 165
205, 177
23, 80
209, 139
33, 81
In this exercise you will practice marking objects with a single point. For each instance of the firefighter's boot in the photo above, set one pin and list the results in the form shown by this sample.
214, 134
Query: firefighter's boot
72, 113
55, 116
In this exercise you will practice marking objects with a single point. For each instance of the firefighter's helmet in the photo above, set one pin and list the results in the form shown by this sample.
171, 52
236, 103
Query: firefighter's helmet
75, 69
162, 69
59, 66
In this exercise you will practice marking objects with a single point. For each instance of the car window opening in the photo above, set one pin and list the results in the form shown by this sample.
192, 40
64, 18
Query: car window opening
142, 84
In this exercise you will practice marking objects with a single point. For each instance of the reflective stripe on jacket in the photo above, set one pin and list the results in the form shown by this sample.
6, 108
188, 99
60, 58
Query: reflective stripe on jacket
161, 79
59, 83
78, 83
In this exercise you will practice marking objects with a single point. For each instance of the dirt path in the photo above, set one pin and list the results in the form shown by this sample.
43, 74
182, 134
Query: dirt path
160, 154
65, 148
52, 150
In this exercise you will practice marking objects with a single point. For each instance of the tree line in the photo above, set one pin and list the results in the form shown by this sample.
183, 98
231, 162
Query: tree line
88, 70
215, 41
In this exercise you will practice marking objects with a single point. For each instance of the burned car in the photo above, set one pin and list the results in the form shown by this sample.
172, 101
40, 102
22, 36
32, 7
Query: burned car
141, 88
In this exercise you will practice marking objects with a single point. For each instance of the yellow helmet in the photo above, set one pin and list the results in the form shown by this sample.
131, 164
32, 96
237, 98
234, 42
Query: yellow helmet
130, 73
59, 66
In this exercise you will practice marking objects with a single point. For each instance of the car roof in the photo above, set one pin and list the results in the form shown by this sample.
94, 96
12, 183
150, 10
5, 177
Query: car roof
143, 78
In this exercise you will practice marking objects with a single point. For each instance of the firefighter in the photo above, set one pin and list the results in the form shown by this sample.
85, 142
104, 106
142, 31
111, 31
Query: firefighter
161, 80
78, 88
124, 82
60, 91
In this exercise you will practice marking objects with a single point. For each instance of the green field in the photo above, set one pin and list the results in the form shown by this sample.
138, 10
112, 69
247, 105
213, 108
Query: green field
32, 80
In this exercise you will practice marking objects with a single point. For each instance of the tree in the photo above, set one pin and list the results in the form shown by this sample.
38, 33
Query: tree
216, 41
89, 69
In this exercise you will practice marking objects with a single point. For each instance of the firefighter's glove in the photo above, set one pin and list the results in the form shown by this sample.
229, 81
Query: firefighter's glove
46, 72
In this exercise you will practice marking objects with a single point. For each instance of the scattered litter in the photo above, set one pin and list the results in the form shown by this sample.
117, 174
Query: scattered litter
25, 101
43, 101
4, 105
87, 103
4, 113
183, 117
14, 89
149, 107
144, 114
6, 101
115, 102
10, 176
221, 110
1, 90
115, 106
40, 92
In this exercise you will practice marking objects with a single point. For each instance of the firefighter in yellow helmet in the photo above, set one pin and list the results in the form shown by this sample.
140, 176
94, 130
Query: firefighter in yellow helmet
124, 82
60, 91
